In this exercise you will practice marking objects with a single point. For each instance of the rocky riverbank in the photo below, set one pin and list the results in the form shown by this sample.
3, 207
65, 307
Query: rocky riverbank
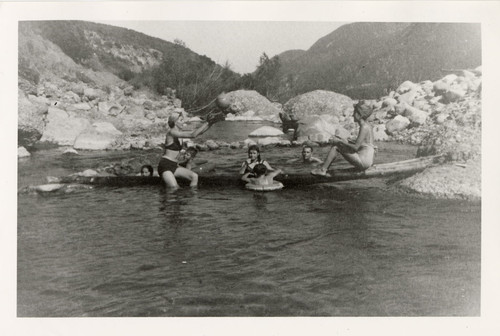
90, 110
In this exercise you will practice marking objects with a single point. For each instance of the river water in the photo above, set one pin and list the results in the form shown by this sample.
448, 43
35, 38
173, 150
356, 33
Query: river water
356, 248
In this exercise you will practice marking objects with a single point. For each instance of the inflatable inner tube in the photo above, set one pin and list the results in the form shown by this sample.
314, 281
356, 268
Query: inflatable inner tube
275, 186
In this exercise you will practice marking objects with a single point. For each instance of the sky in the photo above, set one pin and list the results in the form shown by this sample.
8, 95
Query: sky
241, 43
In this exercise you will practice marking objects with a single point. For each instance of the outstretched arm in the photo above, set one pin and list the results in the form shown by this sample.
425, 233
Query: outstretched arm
246, 178
275, 173
190, 134
268, 166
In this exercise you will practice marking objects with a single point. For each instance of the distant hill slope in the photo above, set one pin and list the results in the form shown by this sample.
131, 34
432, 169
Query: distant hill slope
142, 60
108, 48
361, 60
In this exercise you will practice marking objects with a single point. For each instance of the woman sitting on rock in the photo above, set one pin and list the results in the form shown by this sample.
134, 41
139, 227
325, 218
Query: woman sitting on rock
168, 168
360, 153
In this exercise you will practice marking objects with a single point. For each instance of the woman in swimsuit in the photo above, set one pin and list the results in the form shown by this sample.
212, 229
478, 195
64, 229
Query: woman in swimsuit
360, 153
168, 168
253, 160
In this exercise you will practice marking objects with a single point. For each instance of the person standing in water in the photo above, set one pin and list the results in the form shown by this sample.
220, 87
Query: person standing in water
253, 159
361, 152
169, 168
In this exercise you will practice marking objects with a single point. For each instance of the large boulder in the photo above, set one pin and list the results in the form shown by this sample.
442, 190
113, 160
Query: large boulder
31, 120
99, 136
319, 127
320, 102
416, 116
61, 129
397, 124
242, 101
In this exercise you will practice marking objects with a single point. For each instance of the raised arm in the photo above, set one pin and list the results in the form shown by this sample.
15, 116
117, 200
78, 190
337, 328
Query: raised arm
191, 134
244, 166
274, 173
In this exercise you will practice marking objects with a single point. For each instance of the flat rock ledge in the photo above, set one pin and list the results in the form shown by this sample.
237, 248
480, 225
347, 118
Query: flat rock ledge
449, 181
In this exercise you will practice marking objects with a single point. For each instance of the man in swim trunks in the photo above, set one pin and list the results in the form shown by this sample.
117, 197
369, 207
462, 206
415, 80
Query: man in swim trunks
168, 168
360, 153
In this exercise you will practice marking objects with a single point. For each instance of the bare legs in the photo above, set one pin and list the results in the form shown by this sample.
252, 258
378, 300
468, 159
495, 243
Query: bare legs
362, 159
170, 178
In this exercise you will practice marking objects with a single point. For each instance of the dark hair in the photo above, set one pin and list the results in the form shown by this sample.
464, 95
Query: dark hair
260, 169
192, 150
255, 148
149, 168
307, 146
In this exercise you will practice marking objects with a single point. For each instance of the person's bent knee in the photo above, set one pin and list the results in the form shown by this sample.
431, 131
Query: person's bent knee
169, 179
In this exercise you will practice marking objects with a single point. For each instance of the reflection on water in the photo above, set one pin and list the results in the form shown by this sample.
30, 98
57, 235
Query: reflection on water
346, 249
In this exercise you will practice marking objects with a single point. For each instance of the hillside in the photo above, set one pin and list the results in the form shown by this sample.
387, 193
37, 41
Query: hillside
143, 61
364, 60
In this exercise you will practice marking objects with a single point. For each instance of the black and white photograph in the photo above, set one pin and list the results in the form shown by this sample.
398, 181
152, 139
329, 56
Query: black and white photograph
270, 161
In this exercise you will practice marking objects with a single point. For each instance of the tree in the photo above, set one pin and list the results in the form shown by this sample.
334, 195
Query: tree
267, 75
179, 42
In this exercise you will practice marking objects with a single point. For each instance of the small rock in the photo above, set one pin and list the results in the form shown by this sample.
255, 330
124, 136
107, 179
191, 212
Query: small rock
70, 151
49, 187
212, 145
22, 152
397, 124
87, 173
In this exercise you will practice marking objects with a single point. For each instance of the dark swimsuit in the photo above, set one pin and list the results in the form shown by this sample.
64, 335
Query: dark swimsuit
175, 145
250, 170
167, 164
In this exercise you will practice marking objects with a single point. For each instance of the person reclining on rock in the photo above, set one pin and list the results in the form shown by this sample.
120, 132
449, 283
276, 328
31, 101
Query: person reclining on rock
261, 176
361, 152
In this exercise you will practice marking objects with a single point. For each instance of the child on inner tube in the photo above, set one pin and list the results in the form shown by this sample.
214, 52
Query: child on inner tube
260, 175
253, 160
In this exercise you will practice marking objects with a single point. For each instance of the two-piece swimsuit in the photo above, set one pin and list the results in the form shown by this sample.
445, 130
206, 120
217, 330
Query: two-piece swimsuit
167, 164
